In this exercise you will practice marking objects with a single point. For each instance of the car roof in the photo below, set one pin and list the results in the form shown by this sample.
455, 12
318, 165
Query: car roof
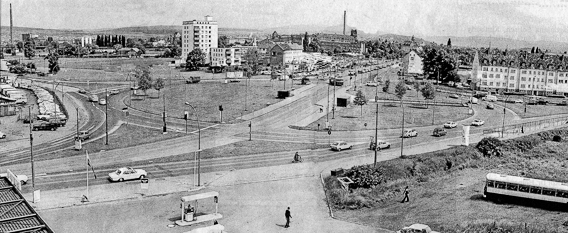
338, 141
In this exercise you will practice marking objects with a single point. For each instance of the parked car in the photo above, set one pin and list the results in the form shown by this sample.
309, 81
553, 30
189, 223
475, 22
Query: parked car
2, 135
491, 98
410, 133
193, 79
83, 135
454, 96
450, 124
127, 173
371, 84
518, 101
102, 101
94, 98
113, 92
22, 178
265, 72
438, 132
490, 106
82, 91
57, 122
416, 228
380, 144
340, 145
44, 126
473, 100
477, 122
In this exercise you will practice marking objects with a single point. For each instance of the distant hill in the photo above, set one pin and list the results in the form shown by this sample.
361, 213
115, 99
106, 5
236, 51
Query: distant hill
498, 42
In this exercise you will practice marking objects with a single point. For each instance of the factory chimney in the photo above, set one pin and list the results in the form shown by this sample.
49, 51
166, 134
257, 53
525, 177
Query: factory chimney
344, 21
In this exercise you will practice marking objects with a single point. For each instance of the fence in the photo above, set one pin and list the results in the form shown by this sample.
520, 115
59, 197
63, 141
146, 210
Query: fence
418, 102
527, 126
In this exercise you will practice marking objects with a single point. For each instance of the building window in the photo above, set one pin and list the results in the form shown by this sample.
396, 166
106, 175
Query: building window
490, 83
497, 76
484, 68
491, 68
561, 75
513, 71
550, 80
529, 72
523, 72
550, 74
504, 85
484, 75
529, 79
512, 78
522, 85
484, 83
511, 85
490, 75
500, 70
505, 70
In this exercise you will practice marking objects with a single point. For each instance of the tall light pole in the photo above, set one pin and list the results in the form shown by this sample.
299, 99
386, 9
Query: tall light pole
334, 84
376, 129
164, 129
32, 153
198, 145
106, 116
504, 111
402, 136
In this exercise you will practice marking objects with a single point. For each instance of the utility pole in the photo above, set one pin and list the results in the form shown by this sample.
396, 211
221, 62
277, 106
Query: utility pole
334, 84
164, 114
402, 138
250, 130
327, 110
31, 151
376, 130
106, 116
77, 111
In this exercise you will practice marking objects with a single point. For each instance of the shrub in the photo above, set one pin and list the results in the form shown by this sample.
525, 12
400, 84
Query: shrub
557, 138
365, 176
490, 147
523, 144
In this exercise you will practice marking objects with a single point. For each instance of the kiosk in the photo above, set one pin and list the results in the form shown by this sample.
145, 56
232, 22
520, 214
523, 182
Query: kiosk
188, 211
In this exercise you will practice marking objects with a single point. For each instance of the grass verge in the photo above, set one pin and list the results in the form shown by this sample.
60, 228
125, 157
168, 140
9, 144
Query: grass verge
446, 188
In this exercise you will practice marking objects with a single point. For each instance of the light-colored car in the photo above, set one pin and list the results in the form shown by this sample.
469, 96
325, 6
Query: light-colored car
127, 173
450, 124
417, 228
371, 84
22, 178
454, 96
102, 101
477, 122
380, 145
265, 72
410, 133
113, 92
83, 135
340, 145
2, 135
518, 101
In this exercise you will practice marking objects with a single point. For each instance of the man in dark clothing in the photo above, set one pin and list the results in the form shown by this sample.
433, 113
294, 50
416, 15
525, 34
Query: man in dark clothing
406, 199
288, 216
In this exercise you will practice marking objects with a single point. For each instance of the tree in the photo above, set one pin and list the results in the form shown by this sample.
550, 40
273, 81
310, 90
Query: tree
29, 49
223, 41
452, 77
386, 87
252, 57
117, 47
400, 89
53, 60
194, 58
360, 100
158, 85
428, 91
142, 74
449, 42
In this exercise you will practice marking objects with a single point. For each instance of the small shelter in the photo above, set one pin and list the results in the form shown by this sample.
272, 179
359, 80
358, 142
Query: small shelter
189, 213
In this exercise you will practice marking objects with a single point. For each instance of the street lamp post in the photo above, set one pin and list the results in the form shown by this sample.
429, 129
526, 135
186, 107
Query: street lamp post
198, 145
402, 136
504, 111
376, 129
106, 117
32, 153
334, 99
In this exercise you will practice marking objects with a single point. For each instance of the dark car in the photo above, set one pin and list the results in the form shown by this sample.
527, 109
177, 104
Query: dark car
83, 135
58, 122
193, 79
490, 106
438, 132
82, 91
44, 126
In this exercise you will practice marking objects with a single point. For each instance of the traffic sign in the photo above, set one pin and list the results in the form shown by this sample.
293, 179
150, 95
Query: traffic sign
329, 132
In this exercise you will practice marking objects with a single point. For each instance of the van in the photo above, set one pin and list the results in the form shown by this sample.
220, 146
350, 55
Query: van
491, 98
438, 132
93, 98
474, 100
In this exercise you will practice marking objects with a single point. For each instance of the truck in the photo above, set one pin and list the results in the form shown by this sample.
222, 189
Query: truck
336, 81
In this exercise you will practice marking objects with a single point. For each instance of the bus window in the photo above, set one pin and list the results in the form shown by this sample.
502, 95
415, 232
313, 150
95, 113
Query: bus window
500, 185
535, 190
548, 192
512, 187
562, 194
490, 183
524, 188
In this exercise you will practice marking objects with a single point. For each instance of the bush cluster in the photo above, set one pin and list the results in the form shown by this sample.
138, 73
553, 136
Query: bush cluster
498, 228
365, 176
490, 147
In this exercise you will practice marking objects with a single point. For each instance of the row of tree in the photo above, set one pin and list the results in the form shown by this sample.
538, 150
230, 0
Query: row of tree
110, 40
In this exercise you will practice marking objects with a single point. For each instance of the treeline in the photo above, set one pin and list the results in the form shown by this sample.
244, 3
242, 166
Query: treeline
110, 40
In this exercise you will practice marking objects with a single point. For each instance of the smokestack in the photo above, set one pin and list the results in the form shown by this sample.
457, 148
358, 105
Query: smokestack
11, 25
344, 20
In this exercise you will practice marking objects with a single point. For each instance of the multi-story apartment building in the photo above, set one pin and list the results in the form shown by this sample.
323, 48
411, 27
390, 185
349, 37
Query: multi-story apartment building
534, 79
221, 57
200, 34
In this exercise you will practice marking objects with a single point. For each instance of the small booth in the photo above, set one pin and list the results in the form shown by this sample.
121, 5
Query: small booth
189, 212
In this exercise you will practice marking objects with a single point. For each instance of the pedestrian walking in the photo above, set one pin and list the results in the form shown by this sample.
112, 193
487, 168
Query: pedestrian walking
406, 199
288, 217
321, 110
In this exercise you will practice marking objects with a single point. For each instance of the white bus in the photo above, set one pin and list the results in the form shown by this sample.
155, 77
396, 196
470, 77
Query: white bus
497, 186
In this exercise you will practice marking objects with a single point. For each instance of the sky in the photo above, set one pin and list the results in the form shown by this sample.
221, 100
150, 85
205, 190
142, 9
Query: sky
516, 19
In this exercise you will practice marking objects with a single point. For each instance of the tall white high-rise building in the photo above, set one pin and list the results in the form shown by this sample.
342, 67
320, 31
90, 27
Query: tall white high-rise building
200, 34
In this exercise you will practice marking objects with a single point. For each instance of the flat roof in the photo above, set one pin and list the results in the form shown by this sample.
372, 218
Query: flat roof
16, 214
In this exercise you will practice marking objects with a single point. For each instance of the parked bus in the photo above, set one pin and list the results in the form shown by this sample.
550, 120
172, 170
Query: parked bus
498, 186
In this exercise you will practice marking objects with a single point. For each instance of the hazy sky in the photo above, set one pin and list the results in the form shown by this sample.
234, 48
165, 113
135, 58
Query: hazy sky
517, 19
